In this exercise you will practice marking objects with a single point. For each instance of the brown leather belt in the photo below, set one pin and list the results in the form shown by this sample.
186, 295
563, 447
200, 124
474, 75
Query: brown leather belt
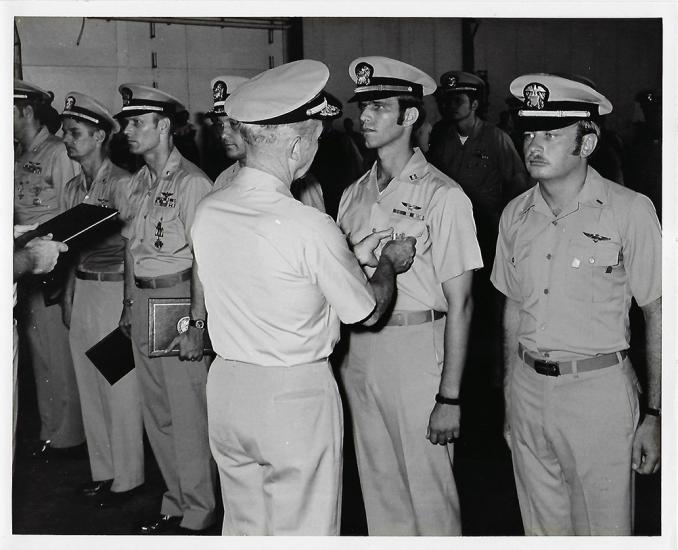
90, 276
558, 368
165, 281
407, 318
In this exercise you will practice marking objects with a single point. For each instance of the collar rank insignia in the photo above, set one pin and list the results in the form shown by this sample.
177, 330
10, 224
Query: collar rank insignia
126, 94
363, 73
70, 102
595, 237
167, 200
219, 90
536, 95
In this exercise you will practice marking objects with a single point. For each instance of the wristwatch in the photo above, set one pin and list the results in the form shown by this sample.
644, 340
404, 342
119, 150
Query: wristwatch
197, 323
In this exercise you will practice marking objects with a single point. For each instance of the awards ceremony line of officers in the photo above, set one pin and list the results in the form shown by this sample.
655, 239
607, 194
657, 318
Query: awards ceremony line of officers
273, 277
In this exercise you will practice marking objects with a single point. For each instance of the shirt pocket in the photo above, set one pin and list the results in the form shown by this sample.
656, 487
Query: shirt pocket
418, 229
594, 271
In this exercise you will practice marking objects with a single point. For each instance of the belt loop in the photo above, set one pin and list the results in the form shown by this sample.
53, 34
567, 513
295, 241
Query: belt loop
575, 372
619, 357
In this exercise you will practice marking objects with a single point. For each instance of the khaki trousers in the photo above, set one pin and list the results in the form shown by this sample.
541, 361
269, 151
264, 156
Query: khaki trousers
571, 439
276, 435
46, 342
175, 417
111, 414
391, 379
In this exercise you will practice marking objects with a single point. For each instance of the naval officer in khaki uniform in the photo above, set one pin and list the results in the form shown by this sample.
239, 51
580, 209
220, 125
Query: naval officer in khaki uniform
402, 380
572, 253
158, 264
278, 277
40, 174
93, 304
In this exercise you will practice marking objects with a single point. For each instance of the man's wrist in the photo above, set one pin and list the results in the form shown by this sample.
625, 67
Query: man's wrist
443, 400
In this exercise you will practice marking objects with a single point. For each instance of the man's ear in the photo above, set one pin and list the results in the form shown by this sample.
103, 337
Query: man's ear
411, 116
588, 145
99, 135
475, 104
295, 148
164, 125
27, 112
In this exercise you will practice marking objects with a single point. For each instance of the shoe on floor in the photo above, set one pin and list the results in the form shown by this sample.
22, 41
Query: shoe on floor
96, 488
46, 451
164, 525
111, 499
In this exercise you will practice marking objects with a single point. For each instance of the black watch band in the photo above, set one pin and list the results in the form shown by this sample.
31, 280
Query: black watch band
653, 412
197, 323
447, 400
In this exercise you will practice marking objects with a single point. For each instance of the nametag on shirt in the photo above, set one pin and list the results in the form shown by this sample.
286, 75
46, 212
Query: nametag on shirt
166, 200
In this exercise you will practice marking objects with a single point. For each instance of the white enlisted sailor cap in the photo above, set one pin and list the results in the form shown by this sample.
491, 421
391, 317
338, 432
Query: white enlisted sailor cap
30, 92
289, 93
550, 101
381, 77
460, 81
82, 107
138, 99
222, 87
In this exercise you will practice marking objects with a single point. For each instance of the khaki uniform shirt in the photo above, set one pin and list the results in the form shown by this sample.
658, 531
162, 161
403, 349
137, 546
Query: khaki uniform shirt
108, 189
159, 232
574, 274
421, 202
309, 193
40, 175
277, 275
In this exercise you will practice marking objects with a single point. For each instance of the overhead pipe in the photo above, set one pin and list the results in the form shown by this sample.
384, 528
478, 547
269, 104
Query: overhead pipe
276, 23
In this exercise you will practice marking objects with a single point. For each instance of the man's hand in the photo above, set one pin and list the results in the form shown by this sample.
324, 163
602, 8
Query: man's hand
647, 446
125, 323
443, 424
190, 344
401, 253
364, 250
44, 253
21, 229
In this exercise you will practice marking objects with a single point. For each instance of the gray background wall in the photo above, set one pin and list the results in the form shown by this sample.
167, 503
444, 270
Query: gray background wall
621, 55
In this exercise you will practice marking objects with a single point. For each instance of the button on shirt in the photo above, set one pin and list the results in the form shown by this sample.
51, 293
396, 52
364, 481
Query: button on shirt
159, 232
108, 190
40, 175
574, 274
421, 202
277, 275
